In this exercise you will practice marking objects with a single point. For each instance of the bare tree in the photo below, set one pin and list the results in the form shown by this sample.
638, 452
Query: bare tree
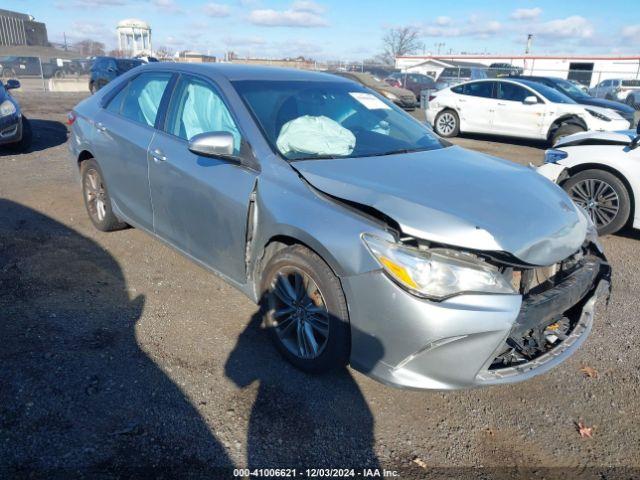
164, 52
89, 48
400, 41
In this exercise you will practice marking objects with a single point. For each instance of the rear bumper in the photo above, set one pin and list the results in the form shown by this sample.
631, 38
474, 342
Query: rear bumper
404, 341
10, 129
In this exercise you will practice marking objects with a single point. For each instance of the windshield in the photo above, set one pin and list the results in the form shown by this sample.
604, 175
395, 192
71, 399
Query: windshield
549, 93
308, 120
570, 89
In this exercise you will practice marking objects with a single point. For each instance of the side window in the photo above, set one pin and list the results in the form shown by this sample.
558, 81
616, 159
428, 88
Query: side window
143, 97
512, 92
115, 104
606, 83
197, 107
479, 89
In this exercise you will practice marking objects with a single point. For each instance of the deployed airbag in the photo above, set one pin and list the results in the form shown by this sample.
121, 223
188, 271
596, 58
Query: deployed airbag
315, 136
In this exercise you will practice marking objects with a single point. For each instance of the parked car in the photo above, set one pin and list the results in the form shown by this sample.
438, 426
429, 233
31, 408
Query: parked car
17, 67
347, 219
633, 99
401, 97
498, 70
581, 86
515, 108
414, 82
105, 69
15, 129
578, 95
601, 173
451, 76
615, 89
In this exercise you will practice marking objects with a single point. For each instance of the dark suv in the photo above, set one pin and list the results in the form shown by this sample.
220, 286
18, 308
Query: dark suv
105, 69
579, 96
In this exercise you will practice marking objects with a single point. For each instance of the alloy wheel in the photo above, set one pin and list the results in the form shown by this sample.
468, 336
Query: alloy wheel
298, 313
446, 123
95, 195
598, 199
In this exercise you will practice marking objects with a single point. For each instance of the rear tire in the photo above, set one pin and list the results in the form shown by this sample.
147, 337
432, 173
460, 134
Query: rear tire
603, 196
447, 124
304, 307
96, 198
565, 130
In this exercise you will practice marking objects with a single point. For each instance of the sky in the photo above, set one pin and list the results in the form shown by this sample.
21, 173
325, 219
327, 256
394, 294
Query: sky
350, 29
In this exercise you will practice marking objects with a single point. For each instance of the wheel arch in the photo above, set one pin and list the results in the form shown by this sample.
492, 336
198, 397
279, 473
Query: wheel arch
613, 171
84, 155
569, 119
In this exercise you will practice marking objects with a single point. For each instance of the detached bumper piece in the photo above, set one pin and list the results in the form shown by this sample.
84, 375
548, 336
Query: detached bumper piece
553, 321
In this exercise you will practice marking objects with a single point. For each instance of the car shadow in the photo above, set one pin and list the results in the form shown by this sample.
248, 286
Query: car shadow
78, 395
46, 134
628, 232
300, 420
522, 142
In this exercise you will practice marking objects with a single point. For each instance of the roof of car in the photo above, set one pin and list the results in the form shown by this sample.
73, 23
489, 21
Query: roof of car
234, 72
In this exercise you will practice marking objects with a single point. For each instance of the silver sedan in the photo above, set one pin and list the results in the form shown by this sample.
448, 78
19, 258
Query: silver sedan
365, 238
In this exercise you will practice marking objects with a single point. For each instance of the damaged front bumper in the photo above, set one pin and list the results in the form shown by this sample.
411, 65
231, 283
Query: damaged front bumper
10, 129
408, 342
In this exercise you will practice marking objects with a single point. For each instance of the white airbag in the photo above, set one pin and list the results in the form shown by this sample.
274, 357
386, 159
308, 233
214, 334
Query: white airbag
315, 136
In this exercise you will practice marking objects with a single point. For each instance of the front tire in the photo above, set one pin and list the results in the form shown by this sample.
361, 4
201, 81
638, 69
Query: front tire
305, 310
603, 196
565, 130
447, 124
96, 198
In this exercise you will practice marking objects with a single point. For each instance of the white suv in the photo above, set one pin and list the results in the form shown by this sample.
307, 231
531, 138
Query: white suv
516, 108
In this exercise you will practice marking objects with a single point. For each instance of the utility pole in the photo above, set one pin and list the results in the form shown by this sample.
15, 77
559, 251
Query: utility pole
438, 46
64, 36
529, 42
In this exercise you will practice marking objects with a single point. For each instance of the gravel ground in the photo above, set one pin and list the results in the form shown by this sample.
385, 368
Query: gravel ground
120, 358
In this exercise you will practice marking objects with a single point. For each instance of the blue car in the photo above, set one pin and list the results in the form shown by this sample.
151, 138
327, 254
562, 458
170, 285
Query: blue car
15, 129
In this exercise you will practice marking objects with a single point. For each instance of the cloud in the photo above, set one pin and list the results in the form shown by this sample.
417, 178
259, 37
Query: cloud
167, 6
443, 21
526, 13
302, 13
216, 10
473, 28
574, 26
243, 41
63, 5
631, 32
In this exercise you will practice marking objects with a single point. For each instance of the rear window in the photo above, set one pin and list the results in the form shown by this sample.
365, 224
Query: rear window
631, 83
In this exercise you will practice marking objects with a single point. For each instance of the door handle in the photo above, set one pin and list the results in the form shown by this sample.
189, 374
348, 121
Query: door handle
158, 156
502, 104
100, 126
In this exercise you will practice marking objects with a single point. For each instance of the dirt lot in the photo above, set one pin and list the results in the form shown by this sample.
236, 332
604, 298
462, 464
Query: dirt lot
120, 358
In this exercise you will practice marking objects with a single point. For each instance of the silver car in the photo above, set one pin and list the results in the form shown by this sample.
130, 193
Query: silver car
365, 238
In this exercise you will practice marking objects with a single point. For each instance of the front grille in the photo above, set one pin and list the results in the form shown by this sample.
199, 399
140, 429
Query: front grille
551, 306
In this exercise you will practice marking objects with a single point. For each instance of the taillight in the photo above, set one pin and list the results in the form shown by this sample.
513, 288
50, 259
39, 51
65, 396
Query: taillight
71, 117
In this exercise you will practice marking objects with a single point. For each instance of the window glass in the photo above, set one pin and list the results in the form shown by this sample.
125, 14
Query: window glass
143, 97
198, 108
458, 89
631, 83
326, 119
606, 83
479, 89
512, 92
115, 104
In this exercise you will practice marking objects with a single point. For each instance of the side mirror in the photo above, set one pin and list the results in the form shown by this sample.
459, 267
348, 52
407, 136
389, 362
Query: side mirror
213, 144
530, 100
11, 84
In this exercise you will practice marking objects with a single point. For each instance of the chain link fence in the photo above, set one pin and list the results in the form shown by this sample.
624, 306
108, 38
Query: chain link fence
46, 74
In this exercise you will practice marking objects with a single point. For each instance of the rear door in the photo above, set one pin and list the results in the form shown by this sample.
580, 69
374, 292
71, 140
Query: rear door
515, 118
200, 203
476, 106
123, 132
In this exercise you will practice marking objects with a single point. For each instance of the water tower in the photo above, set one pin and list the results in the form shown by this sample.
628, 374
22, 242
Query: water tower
134, 37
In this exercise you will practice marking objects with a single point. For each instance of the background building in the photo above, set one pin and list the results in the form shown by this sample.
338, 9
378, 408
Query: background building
588, 70
134, 37
21, 29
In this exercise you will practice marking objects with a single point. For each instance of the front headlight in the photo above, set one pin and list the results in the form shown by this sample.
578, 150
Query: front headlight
391, 96
436, 273
598, 115
7, 108
554, 156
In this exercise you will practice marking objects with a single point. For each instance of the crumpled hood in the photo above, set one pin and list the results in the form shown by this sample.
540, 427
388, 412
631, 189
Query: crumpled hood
461, 198
622, 137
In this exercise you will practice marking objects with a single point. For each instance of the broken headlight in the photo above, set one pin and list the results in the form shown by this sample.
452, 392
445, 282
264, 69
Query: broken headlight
436, 273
